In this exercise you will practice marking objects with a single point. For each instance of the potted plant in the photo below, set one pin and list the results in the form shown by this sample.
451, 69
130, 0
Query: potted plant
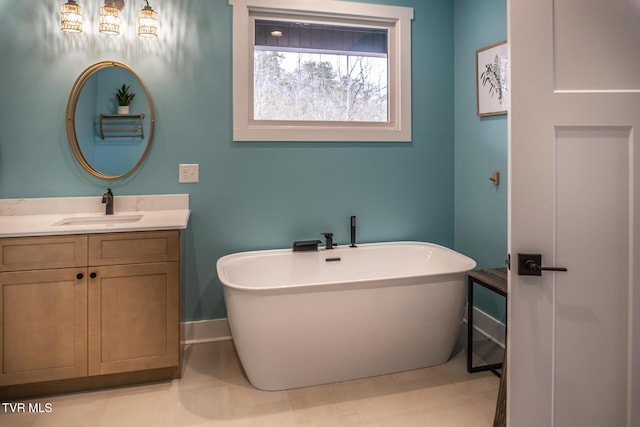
124, 99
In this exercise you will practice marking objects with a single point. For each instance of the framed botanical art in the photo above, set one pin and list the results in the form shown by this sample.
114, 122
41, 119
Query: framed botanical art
492, 85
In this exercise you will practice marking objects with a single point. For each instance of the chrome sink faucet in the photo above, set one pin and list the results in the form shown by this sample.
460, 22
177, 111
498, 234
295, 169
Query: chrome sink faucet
107, 198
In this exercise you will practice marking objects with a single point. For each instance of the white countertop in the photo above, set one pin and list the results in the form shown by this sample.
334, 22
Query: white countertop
47, 216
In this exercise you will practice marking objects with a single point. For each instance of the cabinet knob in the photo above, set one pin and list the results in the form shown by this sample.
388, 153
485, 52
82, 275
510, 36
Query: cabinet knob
79, 276
93, 275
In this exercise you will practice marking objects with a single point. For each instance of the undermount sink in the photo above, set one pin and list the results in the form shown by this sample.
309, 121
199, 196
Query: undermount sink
105, 219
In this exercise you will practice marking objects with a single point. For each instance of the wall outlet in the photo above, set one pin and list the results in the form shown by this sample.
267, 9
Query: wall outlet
189, 173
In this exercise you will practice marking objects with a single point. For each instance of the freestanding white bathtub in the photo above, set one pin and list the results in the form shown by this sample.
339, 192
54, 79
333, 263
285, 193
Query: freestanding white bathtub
308, 318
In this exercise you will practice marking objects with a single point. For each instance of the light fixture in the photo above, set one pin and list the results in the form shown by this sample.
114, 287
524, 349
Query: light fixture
276, 33
71, 17
109, 18
147, 22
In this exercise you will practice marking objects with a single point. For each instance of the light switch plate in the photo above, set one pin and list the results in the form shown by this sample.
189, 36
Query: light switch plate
189, 173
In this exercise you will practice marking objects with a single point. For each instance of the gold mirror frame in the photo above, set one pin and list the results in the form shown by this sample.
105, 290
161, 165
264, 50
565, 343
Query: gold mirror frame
71, 117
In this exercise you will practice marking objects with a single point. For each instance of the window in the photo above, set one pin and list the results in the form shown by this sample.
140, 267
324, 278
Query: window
304, 72
337, 71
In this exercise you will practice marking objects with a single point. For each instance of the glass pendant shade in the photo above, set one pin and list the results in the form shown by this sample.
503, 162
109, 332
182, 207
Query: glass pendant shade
71, 17
109, 20
147, 22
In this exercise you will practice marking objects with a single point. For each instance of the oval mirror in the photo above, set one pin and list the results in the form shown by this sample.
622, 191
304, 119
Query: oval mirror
109, 142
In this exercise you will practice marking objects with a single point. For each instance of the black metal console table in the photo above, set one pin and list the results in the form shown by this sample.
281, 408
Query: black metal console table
495, 280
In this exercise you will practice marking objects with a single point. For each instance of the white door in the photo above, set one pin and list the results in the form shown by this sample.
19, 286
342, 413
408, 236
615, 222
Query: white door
574, 146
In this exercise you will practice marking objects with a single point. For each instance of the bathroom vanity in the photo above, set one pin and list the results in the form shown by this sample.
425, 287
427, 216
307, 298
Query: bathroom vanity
89, 300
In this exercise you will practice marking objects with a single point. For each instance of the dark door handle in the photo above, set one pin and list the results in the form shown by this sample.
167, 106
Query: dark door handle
529, 265
93, 275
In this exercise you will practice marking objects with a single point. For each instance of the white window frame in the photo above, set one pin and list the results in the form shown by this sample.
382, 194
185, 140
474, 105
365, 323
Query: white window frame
397, 19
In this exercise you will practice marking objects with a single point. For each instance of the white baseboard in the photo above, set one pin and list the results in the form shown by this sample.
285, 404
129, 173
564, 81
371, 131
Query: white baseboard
490, 327
205, 331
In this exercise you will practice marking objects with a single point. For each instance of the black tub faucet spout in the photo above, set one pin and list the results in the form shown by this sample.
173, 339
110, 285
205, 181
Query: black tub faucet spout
306, 245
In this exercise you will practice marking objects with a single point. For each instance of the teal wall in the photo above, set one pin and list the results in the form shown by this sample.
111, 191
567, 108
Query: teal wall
250, 195
480, 148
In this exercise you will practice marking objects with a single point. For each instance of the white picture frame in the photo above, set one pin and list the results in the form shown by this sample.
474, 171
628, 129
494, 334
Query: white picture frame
492, 85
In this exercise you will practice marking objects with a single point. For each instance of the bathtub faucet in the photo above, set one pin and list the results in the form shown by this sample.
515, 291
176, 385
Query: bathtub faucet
329, 238
306, 245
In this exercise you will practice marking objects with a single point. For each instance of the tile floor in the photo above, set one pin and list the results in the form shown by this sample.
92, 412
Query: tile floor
213, 391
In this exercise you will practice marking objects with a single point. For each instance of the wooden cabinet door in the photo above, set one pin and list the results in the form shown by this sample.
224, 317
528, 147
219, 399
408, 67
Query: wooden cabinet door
43, 325
133, 317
